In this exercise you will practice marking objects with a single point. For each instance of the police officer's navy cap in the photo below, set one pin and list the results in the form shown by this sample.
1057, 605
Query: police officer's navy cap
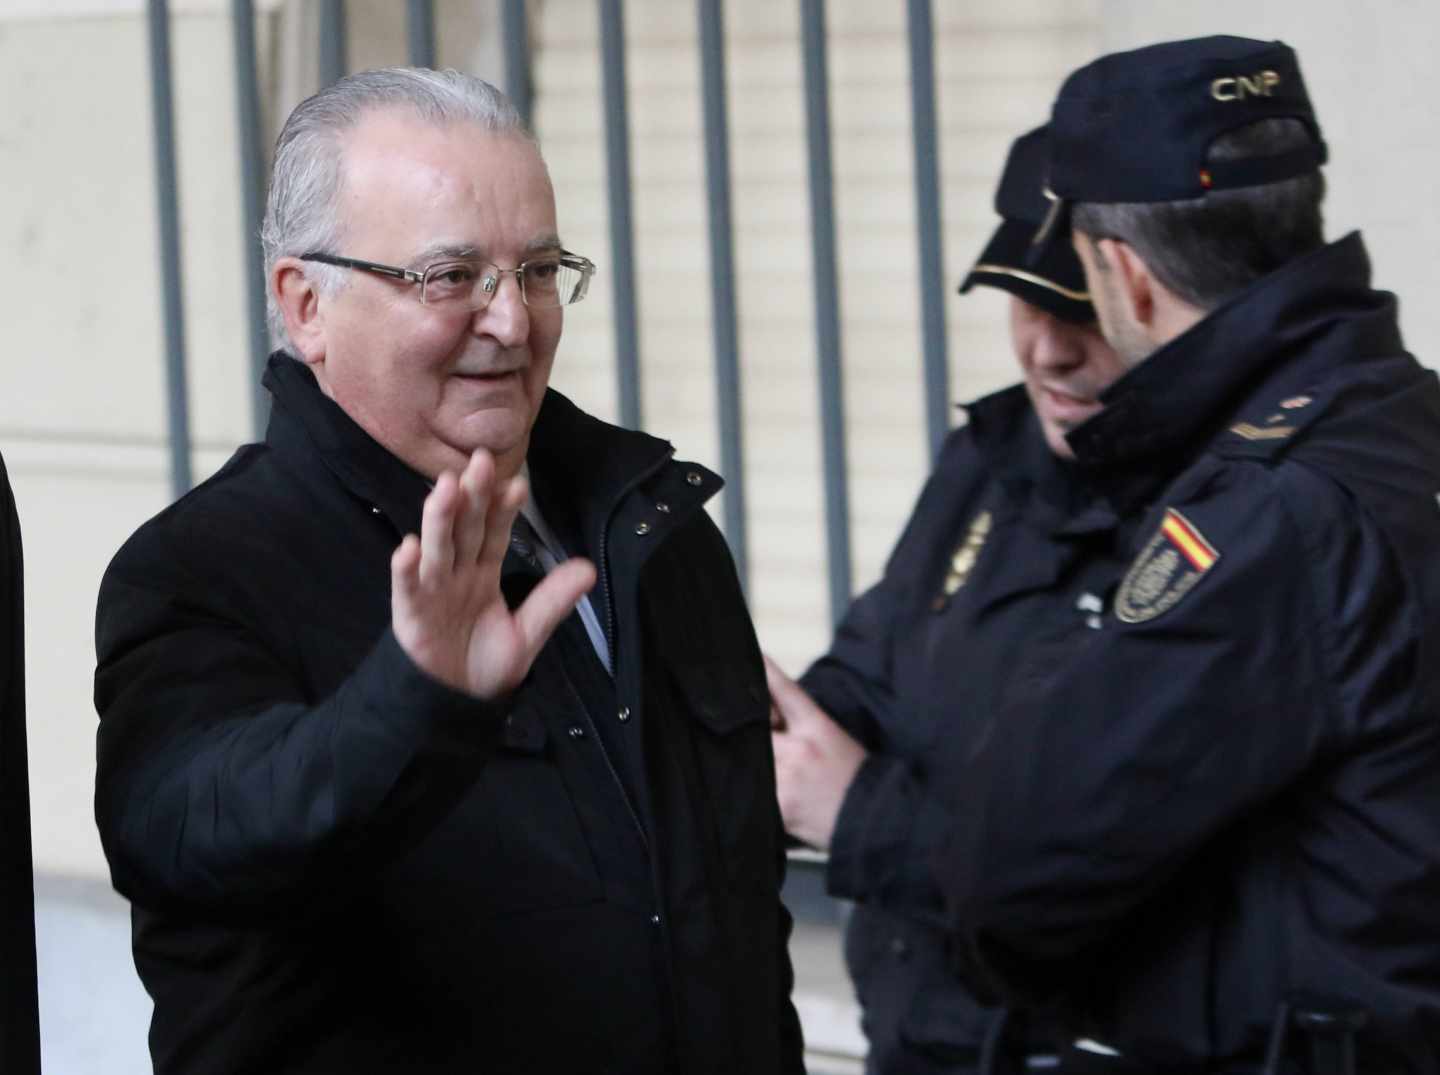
1055, 281
1137, 126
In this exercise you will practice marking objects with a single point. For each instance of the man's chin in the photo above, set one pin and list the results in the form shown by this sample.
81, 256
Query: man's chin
506, 439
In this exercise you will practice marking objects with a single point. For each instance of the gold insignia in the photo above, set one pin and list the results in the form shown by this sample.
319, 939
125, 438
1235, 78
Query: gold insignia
1170, 565
962, 561
1260, 84
1253, 432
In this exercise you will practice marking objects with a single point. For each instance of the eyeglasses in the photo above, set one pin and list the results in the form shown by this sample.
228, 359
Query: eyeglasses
468, 284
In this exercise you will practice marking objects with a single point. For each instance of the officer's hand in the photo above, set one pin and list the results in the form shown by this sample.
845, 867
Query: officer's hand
815, 760
446, 606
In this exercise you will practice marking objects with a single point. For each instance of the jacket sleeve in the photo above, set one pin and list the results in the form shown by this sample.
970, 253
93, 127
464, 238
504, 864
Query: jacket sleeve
891, 821
890, 825
851, 682
220, 787
1083, 799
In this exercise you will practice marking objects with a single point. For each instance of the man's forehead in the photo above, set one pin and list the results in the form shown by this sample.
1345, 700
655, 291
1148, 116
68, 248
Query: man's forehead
448, 190
395, 144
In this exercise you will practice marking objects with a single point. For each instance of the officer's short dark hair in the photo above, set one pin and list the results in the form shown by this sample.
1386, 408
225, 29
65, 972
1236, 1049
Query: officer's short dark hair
1208, 248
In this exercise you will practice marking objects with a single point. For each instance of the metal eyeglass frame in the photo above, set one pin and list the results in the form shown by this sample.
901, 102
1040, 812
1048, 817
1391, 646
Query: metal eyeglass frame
581, 264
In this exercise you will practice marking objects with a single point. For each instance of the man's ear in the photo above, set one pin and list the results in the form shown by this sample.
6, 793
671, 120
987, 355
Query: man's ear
1135, 285
299, 303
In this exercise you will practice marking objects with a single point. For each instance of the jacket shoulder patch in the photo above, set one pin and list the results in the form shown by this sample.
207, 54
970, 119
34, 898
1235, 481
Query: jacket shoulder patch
1268, 433
1172, 562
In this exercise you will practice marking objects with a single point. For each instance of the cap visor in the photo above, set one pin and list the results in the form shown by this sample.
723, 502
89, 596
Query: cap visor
1055, 281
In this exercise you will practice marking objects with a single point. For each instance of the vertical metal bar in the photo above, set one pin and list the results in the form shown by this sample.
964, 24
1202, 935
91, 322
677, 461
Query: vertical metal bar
827, 303
167, 199
252, 159
617, 170
332, 41
516, 32
927, 221
722, 277
420, 29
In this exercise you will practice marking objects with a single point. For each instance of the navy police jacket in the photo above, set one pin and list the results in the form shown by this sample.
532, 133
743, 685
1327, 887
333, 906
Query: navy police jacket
338, 865
1222, 793
989, 577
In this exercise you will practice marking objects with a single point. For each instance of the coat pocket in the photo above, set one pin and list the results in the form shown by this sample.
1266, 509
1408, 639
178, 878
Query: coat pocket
729, 709
535, 855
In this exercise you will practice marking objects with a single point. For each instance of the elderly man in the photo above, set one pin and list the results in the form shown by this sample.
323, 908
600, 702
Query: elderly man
19, 1022
1205, 834
381, 802
980, 580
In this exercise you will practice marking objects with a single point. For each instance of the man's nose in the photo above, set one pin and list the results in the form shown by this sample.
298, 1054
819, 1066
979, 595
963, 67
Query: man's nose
506, 318
1055, 347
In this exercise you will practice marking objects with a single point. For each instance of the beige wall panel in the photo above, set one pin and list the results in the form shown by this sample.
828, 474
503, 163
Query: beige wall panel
77, 502
78, 217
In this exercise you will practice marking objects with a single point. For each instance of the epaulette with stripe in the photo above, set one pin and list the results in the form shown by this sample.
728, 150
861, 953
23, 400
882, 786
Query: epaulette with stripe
1270, 430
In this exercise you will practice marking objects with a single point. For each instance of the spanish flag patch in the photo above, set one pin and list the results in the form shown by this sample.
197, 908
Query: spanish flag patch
1169, 566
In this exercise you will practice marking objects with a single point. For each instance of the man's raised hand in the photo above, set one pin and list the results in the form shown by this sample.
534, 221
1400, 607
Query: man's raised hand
446, 606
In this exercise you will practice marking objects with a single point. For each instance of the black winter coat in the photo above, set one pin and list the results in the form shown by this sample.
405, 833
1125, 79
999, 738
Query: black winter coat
19, 1021
339, 865
1223, 793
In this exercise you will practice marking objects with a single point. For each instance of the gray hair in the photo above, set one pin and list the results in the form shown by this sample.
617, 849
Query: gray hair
1206, 249
305, 180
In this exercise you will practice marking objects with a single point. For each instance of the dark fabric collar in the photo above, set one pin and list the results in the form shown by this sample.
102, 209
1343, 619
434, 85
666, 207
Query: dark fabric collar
1194, 382
579, 465
1052, 492
306, 424
1288, 328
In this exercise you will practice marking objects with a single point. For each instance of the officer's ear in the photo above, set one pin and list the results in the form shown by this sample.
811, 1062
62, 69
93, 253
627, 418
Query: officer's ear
1135, 285
299, 302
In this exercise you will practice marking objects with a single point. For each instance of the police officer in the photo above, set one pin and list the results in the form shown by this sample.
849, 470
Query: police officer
1204, 829
966, 595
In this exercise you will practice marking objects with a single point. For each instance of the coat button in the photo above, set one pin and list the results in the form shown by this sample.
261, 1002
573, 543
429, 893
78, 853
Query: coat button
694, 477
654, 919
899, 947
374, 510
624, 714
642, 529
577, 732
662, 507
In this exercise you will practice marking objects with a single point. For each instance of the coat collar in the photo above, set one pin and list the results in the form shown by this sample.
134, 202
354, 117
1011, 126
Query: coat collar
1289, 328
306, 424
579, 465
1054, 493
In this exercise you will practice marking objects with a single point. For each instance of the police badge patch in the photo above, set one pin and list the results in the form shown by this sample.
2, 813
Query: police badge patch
962, 562
1173, 561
